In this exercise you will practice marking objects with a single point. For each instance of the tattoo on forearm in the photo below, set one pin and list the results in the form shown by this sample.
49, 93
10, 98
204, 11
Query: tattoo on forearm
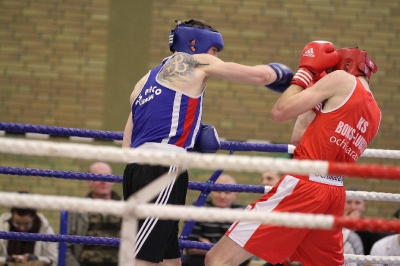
179, 67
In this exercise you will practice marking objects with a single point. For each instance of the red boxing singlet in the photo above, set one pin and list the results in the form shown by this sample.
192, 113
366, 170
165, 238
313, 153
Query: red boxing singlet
342, 134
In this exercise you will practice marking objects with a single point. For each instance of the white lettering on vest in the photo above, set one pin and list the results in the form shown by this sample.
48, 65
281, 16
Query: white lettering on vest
362, 125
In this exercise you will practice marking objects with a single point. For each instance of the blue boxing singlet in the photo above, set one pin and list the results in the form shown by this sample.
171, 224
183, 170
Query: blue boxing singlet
163, 115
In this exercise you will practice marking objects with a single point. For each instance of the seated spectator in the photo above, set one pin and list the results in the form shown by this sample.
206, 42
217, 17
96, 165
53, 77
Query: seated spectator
387, 246
354, 208
28, 253
352, 244
95, 224
211, 232
270, 178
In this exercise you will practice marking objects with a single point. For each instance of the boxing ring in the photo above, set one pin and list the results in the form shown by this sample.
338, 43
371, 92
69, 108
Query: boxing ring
137, 207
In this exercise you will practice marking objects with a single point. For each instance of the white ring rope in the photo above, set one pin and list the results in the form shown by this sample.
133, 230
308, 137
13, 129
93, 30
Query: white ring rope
375, 196
185, 160
142, 210
376, 153
372, 153
364, 195
380, 153
372, 259
59, 203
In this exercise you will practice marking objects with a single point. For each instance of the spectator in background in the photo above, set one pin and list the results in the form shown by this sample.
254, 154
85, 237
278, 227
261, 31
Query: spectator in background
95, 224
211, 232
352, 244
29, 253
387, 246
270, 178
354, 208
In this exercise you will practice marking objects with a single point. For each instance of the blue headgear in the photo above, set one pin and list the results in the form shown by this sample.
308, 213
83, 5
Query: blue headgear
194, 40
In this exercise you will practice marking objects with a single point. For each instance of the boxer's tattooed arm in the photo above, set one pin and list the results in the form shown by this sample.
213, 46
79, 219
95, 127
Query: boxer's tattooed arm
180, 67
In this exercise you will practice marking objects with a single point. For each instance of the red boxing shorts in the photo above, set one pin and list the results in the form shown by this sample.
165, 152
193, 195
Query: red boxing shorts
276, 243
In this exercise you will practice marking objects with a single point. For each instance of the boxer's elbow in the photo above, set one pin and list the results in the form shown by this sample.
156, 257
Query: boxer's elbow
278, 115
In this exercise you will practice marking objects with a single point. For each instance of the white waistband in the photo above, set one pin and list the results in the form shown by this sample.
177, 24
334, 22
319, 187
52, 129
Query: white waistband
335, 180
161, 147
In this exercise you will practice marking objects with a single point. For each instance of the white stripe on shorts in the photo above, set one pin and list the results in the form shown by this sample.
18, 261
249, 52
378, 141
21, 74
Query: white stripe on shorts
243, 230
149, 223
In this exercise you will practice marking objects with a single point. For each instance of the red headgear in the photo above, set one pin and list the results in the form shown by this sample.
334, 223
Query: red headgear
355, 62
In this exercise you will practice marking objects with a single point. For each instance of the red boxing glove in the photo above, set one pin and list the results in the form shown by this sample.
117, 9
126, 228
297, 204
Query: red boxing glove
316, 78
303, 78
316, 57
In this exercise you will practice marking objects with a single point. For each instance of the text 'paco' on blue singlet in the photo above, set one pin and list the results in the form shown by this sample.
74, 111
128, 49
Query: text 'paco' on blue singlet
163, 115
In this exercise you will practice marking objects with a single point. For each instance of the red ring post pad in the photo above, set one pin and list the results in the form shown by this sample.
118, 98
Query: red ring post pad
365, 170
